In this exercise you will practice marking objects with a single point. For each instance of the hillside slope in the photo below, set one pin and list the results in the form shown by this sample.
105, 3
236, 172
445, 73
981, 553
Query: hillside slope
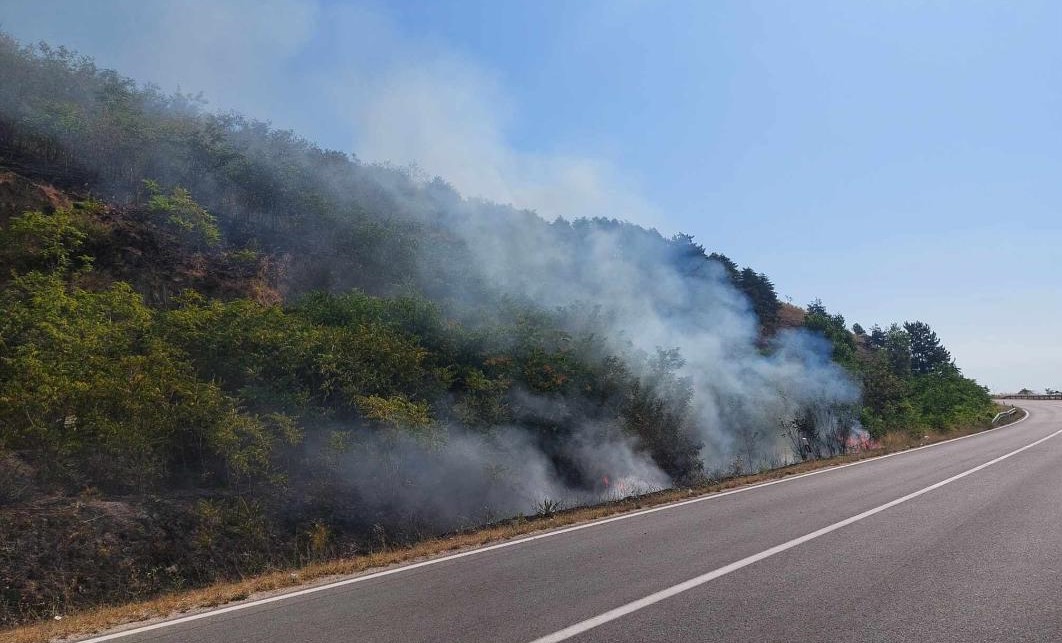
223, 349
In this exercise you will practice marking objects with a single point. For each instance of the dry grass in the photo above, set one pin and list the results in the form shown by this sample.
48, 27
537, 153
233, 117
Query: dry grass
103, 618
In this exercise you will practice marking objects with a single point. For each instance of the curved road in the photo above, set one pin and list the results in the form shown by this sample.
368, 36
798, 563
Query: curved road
960, 541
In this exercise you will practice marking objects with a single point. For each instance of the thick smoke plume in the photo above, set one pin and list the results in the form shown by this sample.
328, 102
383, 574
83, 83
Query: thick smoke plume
469, 478
667, 311
752, 405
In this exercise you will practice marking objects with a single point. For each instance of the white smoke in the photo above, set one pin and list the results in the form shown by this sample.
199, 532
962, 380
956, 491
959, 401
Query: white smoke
381, 92
744, 395
650, 302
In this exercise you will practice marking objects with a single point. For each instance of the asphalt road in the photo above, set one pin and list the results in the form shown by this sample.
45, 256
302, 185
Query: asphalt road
927, 545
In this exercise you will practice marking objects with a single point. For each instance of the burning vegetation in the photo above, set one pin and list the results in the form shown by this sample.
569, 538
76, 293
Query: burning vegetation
242, 351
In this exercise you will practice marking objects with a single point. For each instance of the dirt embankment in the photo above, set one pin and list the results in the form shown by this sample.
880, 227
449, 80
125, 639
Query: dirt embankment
18, 194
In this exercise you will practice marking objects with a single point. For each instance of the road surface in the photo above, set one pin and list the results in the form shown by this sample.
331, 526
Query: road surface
960, 541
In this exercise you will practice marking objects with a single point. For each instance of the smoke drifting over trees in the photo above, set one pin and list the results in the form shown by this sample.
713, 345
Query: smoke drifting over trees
341, 224
210, 305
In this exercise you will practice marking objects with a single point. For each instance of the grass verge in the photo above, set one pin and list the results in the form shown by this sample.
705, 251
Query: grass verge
169, 605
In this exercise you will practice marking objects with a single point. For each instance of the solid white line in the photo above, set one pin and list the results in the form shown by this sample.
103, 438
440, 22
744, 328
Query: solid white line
518, 541
652, 599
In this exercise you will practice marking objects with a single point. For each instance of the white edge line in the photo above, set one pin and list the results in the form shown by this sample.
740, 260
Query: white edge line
519, 541
634, 606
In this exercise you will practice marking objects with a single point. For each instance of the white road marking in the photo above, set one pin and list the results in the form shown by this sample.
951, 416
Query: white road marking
664, 594
510, 543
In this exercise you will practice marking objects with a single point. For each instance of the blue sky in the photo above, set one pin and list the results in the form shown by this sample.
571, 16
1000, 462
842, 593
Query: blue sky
900, 160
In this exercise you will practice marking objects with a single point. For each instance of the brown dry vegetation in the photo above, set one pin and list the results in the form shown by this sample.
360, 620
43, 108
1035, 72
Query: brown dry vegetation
790, 316
169, 605
18, 194
126, 248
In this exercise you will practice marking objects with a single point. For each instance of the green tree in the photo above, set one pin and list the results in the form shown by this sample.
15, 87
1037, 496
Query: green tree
183, 215
88, 385
728, 265
946, 399
35, 240
833, 328
657, 411
885, 396
760, 291
927, 353
897, 348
